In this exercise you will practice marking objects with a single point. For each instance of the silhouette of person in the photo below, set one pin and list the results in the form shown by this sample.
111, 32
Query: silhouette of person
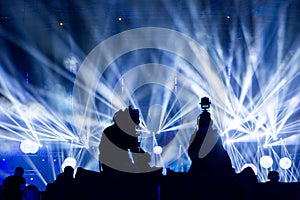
119, 146
247, 175
31, 192
206, 149
273, 176
63, 186
247, 184
124, 163
14, 185
66, 177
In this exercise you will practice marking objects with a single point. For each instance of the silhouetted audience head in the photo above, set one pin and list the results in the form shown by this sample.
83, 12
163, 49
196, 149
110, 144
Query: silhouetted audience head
63, 186
68, 170
79, 171
66, 177
247, 175
19, 171
273, 176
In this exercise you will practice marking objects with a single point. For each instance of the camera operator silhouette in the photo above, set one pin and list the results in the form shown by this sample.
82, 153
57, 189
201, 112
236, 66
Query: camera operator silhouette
206, 150
119, 147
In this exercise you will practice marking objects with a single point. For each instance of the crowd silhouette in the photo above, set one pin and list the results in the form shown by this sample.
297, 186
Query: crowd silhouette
125, 172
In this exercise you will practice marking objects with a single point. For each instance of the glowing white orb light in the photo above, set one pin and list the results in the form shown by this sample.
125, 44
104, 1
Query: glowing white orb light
266, 161
28, 146
285, 163
157, 150
69, 161
253, 167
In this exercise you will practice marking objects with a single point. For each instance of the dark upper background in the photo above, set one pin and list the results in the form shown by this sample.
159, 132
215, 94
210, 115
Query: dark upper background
33, 25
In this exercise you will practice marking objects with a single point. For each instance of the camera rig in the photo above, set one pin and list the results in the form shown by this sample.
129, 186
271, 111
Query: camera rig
204, 118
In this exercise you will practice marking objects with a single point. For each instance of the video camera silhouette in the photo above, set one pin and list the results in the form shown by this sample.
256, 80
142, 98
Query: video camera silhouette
204, 118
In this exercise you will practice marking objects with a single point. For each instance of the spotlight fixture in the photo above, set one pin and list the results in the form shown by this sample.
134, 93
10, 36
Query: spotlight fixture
157, 150
285, 163
28, 146
266, 162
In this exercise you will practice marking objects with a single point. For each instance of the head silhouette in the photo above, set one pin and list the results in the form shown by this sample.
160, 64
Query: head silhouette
69, 170
19, 171
273, 176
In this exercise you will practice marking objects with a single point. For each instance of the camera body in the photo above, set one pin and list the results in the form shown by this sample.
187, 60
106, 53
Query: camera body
134, 114
204, 118
205, 103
